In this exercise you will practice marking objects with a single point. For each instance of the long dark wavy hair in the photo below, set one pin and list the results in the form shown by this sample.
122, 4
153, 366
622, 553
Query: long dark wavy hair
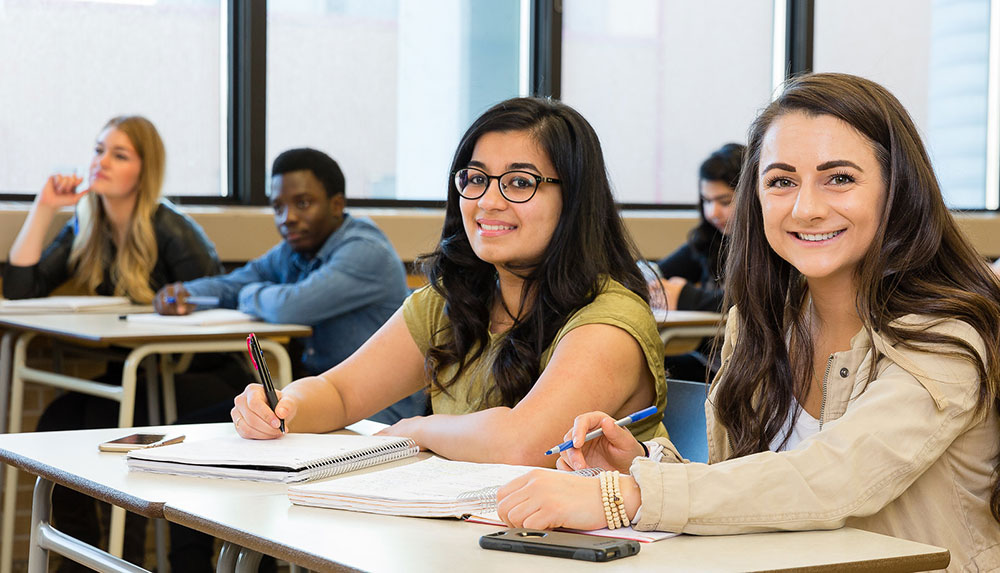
706, 241
589, 246
919, 262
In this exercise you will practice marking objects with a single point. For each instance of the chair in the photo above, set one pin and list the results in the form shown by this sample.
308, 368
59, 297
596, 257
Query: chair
684, 418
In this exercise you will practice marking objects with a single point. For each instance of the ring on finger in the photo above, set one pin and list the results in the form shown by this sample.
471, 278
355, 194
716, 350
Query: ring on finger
238, 420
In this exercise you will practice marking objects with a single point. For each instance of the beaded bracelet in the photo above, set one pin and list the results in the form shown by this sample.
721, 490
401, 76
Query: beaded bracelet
605, 498
614, 509
619, 501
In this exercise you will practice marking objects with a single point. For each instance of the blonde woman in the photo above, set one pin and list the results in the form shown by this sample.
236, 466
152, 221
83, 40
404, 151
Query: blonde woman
124, 239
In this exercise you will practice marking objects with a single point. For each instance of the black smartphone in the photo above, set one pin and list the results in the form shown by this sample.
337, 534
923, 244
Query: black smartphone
560, 544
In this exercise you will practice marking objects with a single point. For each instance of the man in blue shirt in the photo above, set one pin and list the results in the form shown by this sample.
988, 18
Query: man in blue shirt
334, 272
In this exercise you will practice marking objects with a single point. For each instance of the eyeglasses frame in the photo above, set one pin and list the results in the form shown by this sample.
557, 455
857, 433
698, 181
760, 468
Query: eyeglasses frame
489, 179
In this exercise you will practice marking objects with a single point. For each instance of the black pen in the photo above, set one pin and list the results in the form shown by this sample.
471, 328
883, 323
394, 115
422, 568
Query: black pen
257, 358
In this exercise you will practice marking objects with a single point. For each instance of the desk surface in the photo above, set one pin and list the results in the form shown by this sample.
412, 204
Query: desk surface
324, 539
678, 318
99, 328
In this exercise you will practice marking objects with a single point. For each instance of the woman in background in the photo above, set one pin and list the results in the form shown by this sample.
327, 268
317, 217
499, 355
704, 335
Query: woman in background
860, 380
535, 307
693, 273
123, 240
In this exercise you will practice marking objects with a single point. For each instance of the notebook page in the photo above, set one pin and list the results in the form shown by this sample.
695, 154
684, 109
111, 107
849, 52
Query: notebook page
428, 488
197, 318
294, 451
426, 481
64, 304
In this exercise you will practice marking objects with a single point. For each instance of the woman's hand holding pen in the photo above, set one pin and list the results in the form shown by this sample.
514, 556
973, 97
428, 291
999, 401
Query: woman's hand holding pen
60, 191
615, 450
255, 420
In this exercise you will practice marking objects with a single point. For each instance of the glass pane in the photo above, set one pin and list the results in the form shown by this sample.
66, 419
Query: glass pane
665, 84
69, 66
386, 87
934, 59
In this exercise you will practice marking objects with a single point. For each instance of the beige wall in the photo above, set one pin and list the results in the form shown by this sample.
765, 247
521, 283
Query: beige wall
241, 233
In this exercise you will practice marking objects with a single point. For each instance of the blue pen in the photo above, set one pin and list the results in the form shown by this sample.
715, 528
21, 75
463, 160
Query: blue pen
599, 432
196, 300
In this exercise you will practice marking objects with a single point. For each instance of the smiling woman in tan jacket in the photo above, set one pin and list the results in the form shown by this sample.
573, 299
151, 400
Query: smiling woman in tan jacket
860, 375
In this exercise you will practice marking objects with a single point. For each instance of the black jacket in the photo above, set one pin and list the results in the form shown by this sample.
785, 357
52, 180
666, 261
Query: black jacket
184, 253
703, 290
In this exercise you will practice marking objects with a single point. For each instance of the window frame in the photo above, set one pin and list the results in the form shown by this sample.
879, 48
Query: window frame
244, 174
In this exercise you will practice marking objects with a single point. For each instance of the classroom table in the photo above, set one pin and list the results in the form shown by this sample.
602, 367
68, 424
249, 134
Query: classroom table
682, 330
254, 518
102, 330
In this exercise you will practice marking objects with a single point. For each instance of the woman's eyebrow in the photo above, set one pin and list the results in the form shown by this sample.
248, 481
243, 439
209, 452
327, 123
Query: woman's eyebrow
782, 166
523, 166
838, 163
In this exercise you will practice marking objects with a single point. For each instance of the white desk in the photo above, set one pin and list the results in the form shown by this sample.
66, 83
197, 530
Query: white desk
682, 330
260, 518
144, 340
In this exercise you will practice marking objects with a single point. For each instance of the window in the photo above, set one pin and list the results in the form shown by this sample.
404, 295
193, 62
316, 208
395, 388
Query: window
935, 59
665, 84
69, 66
387, 87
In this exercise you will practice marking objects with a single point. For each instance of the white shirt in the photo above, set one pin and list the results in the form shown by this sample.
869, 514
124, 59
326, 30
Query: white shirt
804, 427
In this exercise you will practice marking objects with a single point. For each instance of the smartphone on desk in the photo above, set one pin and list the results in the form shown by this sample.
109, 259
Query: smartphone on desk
139, 441
560, 544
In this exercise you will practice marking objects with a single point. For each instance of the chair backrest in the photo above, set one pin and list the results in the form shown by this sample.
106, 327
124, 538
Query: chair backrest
684, 418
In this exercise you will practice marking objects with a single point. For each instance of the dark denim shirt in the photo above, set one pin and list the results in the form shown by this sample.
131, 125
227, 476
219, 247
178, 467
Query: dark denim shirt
345, 292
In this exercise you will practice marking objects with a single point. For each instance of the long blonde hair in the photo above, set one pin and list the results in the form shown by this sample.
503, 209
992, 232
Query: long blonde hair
136, 257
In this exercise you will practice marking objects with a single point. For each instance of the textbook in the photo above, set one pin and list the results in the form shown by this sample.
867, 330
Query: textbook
291, 458
434, 487
197, 318
65, 304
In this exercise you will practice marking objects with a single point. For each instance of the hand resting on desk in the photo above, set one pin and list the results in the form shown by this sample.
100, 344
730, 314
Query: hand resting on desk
170, 300
547, 500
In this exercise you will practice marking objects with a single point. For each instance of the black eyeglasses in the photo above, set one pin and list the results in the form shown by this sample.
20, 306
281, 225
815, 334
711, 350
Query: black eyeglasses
515, 186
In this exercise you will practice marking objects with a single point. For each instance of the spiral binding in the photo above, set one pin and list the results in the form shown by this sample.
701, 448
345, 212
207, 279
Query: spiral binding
343, 463
485, 499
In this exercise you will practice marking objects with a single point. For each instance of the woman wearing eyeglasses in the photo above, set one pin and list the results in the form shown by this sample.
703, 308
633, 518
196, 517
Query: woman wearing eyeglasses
536, 310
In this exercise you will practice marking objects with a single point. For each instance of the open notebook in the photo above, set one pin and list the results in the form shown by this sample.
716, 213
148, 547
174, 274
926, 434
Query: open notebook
66, 304
434, 487
289, 459
197, 318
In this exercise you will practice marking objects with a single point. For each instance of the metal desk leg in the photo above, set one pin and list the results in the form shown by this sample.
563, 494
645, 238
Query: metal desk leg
5, 371
6, 344
232, 557
45, 539
227, 557
10, 477
247, 561
167, 369
116, 534
41, 509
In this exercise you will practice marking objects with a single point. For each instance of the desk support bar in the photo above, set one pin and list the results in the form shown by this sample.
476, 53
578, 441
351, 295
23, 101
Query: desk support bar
46, 539
125, 394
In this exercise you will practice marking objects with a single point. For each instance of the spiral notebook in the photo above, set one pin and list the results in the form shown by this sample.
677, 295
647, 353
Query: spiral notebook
291, 458
434, 487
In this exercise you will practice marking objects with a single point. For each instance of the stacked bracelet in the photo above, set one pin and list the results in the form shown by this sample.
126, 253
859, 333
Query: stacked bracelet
614, 508
619, 501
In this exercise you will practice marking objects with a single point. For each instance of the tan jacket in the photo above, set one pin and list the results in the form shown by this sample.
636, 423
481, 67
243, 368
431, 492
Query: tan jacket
905, 456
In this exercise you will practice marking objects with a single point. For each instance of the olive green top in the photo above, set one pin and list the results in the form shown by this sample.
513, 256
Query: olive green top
425, 315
